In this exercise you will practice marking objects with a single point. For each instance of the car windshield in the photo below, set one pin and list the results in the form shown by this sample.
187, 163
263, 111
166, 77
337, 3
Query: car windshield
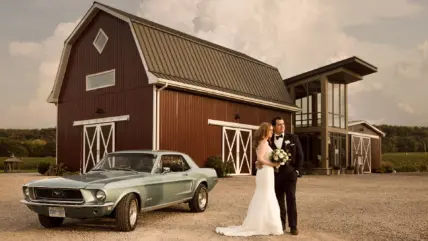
140, 162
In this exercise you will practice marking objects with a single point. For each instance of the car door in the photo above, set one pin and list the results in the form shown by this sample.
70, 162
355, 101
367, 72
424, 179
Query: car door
178, 184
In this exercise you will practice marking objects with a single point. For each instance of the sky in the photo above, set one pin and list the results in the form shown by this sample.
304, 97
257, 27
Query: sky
293, 35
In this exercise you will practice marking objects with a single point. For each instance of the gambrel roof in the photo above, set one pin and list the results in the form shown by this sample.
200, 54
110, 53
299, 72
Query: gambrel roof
186, 62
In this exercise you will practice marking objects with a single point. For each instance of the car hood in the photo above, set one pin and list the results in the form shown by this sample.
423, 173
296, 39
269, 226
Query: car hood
83, 180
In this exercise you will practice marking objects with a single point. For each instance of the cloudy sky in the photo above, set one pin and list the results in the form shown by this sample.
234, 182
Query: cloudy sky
294, 35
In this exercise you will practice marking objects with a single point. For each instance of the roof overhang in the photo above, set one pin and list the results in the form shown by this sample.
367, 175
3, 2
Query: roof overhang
345, 72
372, 127
224, 95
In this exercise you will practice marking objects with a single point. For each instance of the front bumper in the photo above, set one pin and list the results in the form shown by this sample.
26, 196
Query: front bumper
78, 211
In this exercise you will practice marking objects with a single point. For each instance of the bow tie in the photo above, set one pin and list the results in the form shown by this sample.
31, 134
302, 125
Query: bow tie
280, 136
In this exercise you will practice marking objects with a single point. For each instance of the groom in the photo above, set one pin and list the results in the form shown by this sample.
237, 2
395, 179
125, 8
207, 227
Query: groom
286, 177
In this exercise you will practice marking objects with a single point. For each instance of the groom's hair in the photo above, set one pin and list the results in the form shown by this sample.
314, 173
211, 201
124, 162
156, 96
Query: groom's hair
275, 119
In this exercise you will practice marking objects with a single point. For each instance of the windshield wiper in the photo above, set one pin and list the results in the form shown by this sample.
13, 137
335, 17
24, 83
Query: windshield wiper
121, 169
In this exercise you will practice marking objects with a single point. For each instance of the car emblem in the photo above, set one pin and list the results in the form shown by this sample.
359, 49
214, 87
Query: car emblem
57, 193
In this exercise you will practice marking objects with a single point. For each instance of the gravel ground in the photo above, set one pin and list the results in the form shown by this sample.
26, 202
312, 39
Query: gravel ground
347, 207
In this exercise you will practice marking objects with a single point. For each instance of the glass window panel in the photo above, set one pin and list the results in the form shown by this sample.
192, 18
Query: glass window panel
318, 102
310, 104
304, 105
336, 121
330, 119
299, 103
100, 80
298, 117
336, 99
304, 123
342, 99
342, 121
330, 97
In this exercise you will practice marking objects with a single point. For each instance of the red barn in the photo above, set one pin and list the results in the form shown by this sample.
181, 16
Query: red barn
128, 83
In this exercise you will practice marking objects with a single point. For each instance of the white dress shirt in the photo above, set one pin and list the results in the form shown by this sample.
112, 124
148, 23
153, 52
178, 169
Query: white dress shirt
278, 142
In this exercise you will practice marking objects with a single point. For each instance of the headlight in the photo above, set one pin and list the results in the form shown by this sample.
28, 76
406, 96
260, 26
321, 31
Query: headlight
26, 192
100, 195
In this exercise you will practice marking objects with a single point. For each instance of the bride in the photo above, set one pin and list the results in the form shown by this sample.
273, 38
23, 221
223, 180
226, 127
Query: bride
263, 216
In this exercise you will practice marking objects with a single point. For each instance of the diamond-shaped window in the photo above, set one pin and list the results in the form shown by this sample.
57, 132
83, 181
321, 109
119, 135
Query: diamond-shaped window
100, 41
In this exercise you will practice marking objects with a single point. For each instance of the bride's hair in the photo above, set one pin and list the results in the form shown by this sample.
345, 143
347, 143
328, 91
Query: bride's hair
261, 133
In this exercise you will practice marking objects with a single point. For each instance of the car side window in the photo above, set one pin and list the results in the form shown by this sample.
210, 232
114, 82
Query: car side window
176, 163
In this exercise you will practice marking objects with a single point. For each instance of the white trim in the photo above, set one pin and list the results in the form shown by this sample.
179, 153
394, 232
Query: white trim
54, 95
369, 125
227, 95
232, 124
100, 49
56, 135
101, 120
154, 119
101, 73
158, 116
362, 134
238, 142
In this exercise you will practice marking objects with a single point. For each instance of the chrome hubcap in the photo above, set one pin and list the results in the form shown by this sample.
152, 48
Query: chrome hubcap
202, 198
133, 212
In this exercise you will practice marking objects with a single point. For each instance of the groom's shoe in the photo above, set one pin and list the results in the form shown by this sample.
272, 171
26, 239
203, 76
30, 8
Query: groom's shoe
294, 231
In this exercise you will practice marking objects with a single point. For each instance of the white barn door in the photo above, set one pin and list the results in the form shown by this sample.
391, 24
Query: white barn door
237, 149
98, 140
361, 151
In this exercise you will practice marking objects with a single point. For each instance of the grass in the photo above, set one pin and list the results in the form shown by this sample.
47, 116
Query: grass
29, 164
403, 162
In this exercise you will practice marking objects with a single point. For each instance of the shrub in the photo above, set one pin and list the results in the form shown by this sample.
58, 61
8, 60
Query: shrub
43, 167
407, 168
386, 166
222, 168
56, 170
423, 168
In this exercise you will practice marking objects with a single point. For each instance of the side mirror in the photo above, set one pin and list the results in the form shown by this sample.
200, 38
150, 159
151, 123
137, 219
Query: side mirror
166, 170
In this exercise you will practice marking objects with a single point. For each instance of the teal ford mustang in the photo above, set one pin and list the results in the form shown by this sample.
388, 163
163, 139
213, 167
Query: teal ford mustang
121, 185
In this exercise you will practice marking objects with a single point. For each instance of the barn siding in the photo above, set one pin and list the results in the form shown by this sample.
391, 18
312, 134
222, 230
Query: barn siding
376, 153
130, 96
184, 122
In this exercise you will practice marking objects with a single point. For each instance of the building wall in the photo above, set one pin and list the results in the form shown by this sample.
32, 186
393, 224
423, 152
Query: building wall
362, 129
184, 122
130, 96
376, 153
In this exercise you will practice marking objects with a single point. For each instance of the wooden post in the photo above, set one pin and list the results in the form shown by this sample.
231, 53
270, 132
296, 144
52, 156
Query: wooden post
324, 123
346, 124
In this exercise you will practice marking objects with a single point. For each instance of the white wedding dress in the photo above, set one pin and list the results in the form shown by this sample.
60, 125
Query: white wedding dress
263, 216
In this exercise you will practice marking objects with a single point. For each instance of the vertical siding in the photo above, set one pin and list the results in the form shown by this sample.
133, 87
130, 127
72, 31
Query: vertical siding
376, 153
130, 96
184, 122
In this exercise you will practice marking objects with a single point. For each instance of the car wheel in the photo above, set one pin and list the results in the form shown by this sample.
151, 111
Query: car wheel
199, 201
50, 222
127, 213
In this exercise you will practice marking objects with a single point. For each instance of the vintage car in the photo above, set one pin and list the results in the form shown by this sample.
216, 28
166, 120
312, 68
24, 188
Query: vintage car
120, 186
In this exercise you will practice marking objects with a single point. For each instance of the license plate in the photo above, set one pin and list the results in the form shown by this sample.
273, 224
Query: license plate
56, 212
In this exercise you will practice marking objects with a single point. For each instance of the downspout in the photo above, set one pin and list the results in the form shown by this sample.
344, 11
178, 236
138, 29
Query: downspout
157, 113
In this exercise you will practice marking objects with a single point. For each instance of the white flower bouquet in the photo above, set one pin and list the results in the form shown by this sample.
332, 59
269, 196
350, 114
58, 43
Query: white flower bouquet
279, 156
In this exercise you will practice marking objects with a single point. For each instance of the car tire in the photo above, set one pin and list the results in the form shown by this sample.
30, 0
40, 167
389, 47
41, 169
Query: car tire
50, 222
127, 213
199, 202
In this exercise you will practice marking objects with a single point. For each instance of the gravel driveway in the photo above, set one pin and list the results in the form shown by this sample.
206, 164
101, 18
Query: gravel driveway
347, 207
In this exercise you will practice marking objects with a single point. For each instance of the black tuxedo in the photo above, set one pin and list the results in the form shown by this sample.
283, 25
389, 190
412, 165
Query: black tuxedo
286, 178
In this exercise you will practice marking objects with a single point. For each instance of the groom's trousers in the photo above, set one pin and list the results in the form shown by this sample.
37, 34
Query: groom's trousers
285, 190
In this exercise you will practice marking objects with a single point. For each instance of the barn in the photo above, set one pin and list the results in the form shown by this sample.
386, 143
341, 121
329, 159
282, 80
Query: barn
365, 142
124, 82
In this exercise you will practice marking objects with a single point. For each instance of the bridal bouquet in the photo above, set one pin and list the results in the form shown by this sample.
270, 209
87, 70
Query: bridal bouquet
280, 156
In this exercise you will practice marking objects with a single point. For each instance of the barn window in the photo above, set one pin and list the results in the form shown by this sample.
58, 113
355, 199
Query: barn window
101, 80
100, 41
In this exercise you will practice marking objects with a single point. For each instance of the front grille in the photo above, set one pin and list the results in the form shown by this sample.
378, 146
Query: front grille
58, 194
